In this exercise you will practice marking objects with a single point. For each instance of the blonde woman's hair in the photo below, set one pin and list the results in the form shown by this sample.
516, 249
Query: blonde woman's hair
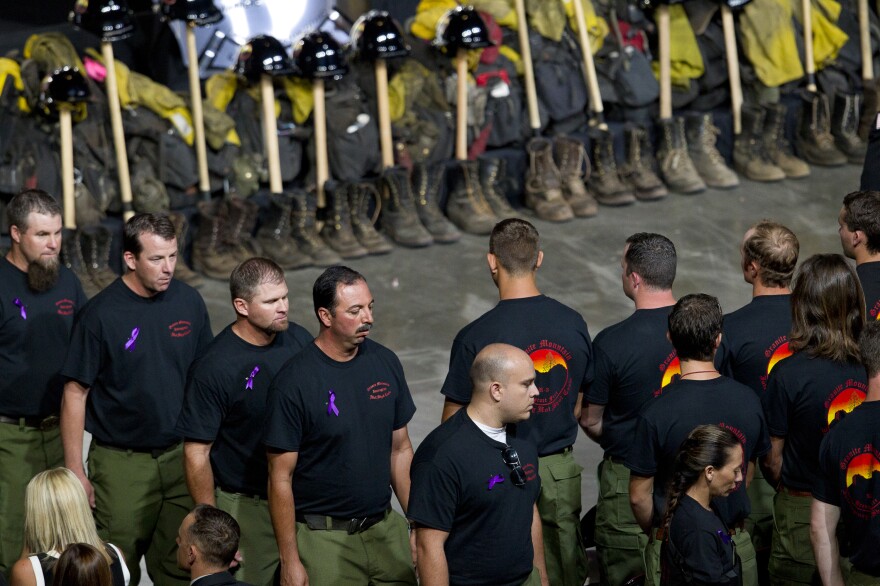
57, 514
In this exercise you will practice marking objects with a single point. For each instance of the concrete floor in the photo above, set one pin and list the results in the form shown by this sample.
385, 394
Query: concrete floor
423, 297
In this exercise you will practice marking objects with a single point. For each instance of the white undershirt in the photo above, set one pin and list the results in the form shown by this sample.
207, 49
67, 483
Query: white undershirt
499, 434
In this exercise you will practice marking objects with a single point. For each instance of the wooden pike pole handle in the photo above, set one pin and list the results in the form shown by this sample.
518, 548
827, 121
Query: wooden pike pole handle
736, 95
118, 133
195, 92
270, 133
461, 106
589, 65
528, 69
810, 65
665, 62
385, 139
865, 38
69, 196
319, 114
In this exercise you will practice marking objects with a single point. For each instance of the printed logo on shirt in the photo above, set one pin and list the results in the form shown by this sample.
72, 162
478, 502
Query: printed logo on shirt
843, 399
65, 306
552, 377
860, 464
874, 312
180, 329
671, 369
379, 390
777, 351
530, 471
742, 439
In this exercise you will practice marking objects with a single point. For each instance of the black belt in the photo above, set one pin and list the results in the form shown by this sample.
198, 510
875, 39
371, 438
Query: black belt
154, 452
565, 450
351, 526
249, 495
41, 423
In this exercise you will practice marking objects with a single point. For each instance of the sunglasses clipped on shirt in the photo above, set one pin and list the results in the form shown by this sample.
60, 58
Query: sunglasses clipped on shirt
511, 458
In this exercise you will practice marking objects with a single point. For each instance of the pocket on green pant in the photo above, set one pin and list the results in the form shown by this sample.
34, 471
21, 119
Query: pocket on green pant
566, 477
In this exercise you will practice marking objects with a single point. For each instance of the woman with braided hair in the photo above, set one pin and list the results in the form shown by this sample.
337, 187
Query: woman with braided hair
698, 548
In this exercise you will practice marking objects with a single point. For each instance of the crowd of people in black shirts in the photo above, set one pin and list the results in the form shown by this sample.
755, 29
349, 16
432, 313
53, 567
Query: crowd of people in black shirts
738, 449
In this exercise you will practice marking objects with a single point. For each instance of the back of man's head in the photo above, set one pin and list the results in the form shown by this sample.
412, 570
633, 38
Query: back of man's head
30, 201
652, 257
774, 248
694, 324
515, 244
861, 212
490, 365
869, 348
215, 534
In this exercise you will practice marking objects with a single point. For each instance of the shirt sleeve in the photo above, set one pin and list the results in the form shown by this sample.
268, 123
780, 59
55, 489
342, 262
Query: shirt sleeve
433, 496
599, 392
642, 457
457, 385
206, 336
762, 442
404, 408
825, 484
723, 357
205, 406
85, 356
775, 403
285, 420
703, 555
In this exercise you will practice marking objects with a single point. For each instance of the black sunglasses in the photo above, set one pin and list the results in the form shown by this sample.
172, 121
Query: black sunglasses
511, 458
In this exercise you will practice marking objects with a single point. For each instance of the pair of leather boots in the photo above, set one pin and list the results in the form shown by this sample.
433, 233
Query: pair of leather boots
688, 156
86, 252
830, 137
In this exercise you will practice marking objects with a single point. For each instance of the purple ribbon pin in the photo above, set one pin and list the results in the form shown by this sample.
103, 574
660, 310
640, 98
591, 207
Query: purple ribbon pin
250, 379
497, 479
21, 306
331, 406
134, 336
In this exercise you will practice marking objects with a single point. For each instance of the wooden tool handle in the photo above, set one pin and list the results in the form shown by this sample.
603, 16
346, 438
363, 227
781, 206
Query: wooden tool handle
865, 38
589, 66
461, 106
665, 62
270, 133
384, 113
69, 197
322, 167
736, 95
195, 92
118, 132
810, 64
525, 51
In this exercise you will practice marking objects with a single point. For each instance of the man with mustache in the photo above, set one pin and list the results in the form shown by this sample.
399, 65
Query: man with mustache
225, 407
337, 443
38, 300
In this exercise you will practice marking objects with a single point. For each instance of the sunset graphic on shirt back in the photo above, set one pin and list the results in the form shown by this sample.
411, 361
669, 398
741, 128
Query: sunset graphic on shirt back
845, 402
863, 465
779, 354
545, 360
674, 369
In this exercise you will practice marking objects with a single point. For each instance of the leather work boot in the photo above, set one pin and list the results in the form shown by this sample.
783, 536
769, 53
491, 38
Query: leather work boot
241, 221
182, 272
71, 257
573, 164
870, 107
776, 147
94, 243
676, 167
845, 127
701, 137
604, 182
336, 231
427, 180
466, 206
213, 254
814, 141
359, 196
492, 174
638, 171
750, 157
544, 183
399, 217
274, 235
304, 230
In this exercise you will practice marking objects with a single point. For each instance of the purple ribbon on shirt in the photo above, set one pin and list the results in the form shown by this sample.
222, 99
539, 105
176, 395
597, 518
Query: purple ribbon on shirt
250, 379
21, 306
134, 336
497, 479
331, 406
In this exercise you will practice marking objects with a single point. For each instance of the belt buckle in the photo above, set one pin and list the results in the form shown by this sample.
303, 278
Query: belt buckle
356, 525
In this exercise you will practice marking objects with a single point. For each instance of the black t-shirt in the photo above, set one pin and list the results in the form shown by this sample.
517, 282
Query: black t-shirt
133, 353
461, 485
869, 277
634, 361
685, 404
849, 457
339, 417
556, 339
805, 396
225, 403
754, 340
34, 335
701, 539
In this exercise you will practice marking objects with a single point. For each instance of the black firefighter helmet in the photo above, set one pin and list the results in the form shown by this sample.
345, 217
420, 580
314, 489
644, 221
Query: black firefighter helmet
317, 55
108, 19
376, 35
262, 54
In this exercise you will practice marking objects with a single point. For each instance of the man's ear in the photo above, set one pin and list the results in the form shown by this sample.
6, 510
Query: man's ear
540, 259
128, 258
324, 316
496, 391
15, 234
241, 306
492, 261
